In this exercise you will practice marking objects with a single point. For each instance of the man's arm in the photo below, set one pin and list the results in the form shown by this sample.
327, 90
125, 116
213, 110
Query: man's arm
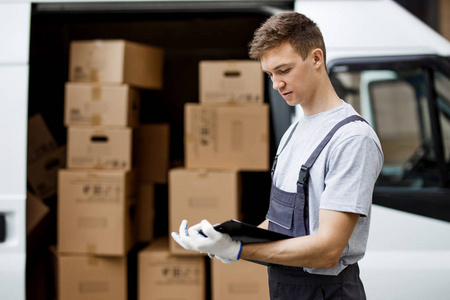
321, 250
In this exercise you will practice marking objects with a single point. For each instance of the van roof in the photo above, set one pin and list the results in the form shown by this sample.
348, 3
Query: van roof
371, 28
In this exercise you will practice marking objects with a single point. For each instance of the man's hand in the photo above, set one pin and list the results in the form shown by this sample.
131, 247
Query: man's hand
203, 238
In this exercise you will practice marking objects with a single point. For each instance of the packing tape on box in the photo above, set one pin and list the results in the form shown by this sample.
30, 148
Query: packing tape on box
94, 75
96, 92
96, 119
91, 248
92, 261
202, 173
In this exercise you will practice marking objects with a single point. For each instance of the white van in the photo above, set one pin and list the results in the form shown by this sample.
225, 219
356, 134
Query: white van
389, 65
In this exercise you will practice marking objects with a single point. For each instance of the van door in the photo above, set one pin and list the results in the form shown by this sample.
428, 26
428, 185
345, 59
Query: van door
14, 34
407, 101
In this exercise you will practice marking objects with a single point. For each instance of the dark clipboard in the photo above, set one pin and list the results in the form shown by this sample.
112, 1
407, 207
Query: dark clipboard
247, 233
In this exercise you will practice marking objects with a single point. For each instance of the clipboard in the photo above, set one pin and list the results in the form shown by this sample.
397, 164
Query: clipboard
247, 233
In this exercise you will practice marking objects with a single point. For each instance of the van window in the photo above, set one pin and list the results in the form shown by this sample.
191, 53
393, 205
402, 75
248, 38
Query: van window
442, 87
395, 104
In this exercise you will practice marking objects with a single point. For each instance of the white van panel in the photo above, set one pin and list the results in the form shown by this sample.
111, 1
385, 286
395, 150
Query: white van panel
13, 135
13, 130
403, 275
408, 257
14, 32
394, 230
354, 28
12, 251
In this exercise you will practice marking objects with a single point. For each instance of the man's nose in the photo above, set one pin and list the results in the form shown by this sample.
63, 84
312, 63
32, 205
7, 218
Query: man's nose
277, 83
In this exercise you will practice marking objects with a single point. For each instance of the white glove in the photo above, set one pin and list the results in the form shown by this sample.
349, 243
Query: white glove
224, 260
209, 241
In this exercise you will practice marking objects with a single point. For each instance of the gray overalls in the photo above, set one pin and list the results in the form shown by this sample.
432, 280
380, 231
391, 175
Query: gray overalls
288, 214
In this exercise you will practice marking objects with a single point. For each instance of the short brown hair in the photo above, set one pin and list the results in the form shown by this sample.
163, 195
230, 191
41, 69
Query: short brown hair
302, 33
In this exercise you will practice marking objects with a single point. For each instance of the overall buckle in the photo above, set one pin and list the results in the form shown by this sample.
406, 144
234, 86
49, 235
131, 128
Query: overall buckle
274, 165
303, 176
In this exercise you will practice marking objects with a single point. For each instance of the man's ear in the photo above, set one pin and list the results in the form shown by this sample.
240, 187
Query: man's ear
317, 55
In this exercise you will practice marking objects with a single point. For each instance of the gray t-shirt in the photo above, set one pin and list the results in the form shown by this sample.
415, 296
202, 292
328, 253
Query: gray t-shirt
341, 179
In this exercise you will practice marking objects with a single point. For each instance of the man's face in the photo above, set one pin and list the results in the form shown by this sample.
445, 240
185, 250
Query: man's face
290, 75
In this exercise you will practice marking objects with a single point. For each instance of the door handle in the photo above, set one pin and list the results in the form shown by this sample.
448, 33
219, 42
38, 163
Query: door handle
2, 228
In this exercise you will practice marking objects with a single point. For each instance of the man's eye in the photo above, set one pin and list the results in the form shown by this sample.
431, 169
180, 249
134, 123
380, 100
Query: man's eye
284, 71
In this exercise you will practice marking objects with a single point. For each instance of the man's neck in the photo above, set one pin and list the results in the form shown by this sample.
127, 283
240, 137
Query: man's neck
324, 99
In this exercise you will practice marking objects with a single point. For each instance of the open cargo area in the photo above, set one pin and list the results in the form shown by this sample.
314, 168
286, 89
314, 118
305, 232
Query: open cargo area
187, 34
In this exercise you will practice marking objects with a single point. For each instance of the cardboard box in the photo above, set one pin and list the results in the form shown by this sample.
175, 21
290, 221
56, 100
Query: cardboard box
101, 105
116, 61
36, 211
151, 152
99, 148
194, 195
163, 277
42, 174
145, 212
227, 137
94, 278
241, 280
40, 140
95, 212
231, 81
444, 18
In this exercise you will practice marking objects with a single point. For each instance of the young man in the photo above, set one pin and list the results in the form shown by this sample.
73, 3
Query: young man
323, 176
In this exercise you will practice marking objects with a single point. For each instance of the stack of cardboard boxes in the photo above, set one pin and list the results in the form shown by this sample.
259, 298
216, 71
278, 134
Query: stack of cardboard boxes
97, 193
227, 132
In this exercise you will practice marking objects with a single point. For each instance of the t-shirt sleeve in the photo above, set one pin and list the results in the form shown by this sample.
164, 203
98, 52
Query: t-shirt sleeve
351, 172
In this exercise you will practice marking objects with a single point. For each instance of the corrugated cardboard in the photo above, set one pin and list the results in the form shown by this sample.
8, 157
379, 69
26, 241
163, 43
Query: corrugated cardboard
116, 61
99, 148
231, 81
241, 280
93, 278
444, 18
145, 212
40, 140
194, 195
42, 174
164, 277
151, 152
227, 137
101, 105
95, 212
36, 211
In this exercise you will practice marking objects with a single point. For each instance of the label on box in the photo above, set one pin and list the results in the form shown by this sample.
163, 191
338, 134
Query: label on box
176, 273
93, 287
91, 113
227, 136
210, 202
207, 133
92, 223
205, 128
98, 190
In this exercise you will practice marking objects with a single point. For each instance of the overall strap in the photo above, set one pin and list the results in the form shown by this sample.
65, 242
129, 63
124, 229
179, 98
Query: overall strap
274, 165
304, 171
